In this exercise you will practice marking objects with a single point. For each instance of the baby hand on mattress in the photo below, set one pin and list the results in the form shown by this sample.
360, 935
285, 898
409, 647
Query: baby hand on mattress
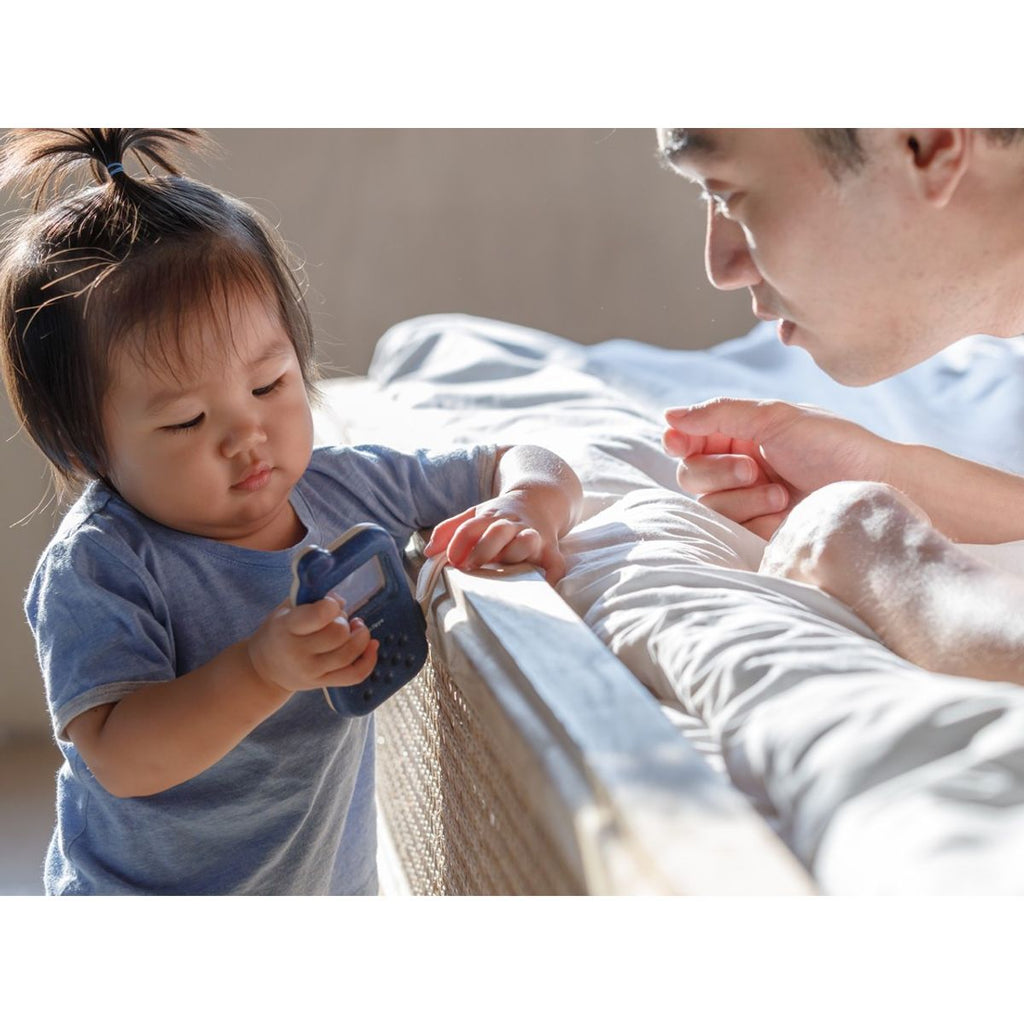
752, 461
504, 529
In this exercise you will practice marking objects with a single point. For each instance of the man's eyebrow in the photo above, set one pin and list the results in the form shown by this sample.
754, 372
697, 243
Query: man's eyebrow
678, 142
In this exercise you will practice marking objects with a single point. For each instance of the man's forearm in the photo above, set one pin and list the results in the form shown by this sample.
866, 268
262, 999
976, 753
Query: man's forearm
929, 600
950, 613
966, 501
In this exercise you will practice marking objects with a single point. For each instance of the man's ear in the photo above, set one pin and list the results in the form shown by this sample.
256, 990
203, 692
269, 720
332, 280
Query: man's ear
937, 159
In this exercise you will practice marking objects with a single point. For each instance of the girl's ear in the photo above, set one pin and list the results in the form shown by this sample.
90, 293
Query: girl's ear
936, 159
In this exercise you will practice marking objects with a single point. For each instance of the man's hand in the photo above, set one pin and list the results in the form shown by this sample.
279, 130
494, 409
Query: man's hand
753, 461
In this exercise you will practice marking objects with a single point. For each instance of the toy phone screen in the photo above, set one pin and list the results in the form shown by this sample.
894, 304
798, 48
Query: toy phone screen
358, 587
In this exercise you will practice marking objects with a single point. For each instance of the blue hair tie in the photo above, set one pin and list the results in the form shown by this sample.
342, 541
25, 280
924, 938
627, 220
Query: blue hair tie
115, 168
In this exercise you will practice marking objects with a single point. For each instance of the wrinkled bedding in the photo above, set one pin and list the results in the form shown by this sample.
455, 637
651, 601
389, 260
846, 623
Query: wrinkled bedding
881, 777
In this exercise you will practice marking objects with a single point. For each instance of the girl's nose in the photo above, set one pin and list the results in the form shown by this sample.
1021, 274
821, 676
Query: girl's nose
242, 436
727, 256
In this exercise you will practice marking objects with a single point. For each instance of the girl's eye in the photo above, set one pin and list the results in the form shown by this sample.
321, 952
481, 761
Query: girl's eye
178, 428
259, 392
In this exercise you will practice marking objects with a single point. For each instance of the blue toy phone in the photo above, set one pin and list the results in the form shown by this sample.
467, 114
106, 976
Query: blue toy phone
363, 566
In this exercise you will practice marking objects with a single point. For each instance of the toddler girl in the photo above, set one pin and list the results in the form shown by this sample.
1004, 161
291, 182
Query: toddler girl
157, 345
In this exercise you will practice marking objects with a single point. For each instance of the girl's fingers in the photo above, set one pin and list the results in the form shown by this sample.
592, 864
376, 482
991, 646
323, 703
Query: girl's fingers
305, 619
355, 671
503, 541
442, 534
347, 653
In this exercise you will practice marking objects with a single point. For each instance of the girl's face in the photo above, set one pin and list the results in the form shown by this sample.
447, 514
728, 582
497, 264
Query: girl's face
213, 444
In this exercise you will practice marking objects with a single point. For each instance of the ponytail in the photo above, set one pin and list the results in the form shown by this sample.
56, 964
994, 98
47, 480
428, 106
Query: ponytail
43, 158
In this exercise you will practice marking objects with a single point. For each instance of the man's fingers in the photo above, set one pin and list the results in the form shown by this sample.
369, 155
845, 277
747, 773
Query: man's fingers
739, 418
749, 504
765, 526
703, 474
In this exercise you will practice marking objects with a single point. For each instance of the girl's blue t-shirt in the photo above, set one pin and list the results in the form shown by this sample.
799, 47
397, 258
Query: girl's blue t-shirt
118, 602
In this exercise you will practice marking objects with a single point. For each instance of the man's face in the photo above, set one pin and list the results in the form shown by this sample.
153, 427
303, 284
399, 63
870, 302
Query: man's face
838, 260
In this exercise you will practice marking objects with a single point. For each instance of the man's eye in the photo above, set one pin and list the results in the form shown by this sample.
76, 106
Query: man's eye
269, 387
178, 428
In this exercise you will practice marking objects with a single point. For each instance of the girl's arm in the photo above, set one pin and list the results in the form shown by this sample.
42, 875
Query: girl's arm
167, 733
537, 500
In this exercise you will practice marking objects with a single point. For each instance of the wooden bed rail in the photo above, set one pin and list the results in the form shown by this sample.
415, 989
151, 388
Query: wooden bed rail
526, 759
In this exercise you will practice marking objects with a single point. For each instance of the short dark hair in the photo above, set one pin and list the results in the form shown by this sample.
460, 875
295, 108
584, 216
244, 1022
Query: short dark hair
83, 268
842, 149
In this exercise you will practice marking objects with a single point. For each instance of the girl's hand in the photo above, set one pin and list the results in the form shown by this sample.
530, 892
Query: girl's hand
513, 527
311, 646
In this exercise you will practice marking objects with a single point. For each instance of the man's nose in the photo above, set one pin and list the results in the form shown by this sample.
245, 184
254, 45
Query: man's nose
242, 435
727, 258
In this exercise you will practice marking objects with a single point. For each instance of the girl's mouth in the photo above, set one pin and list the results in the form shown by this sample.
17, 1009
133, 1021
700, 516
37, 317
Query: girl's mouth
257, 478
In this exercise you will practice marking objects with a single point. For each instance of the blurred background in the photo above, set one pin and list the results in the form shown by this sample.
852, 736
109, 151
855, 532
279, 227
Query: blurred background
580, 232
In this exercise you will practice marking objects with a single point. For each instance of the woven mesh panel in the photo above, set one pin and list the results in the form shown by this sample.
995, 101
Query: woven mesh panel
459, 822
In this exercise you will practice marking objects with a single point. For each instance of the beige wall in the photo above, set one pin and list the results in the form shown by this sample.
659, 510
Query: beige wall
578, 232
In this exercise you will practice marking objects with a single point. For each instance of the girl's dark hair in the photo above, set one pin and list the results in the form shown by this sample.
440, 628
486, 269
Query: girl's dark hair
86, 268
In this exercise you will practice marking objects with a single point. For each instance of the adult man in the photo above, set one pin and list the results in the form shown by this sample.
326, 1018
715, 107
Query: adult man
874, 249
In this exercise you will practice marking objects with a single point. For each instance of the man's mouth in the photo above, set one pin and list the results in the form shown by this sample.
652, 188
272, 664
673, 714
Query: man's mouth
784, 327
762, 312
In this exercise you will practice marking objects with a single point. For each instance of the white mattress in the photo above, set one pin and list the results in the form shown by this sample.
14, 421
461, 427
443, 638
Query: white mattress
879, 776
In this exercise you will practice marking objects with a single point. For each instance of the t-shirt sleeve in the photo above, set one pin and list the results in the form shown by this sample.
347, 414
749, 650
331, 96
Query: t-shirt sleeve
100, 626
409, 491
